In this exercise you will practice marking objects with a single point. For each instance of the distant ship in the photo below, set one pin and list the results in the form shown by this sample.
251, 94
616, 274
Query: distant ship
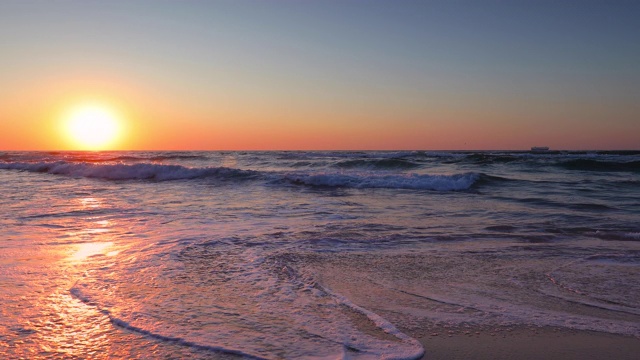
540, 149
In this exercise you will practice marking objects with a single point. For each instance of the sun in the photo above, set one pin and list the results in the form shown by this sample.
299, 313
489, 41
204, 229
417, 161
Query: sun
93, 127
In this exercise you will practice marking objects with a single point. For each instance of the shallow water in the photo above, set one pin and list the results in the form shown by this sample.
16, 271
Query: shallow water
210, 254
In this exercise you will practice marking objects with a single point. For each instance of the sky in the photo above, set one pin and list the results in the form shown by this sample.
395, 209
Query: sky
345, 75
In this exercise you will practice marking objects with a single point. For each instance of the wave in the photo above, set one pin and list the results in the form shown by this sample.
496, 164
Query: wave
454, 182
99, 157
612, 235
161, 172
77, 293
598, 165
578, 206
283, 311
142, 171
158, 157
480, 158
133, 158
378, 164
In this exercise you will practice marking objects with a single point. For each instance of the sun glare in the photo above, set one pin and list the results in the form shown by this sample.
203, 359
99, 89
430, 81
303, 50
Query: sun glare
93, 127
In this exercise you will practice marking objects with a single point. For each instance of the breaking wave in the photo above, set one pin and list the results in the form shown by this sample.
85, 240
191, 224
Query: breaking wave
161, 172
142, 171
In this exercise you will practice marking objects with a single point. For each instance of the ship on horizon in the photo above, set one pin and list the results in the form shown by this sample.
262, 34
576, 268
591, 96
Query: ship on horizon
539, 148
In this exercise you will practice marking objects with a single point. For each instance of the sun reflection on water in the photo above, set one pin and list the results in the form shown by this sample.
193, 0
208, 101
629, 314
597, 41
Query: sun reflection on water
90, 203
63, 245
87, 250
71, 329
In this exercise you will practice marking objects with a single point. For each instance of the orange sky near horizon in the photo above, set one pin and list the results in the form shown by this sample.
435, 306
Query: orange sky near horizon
317, 76
153, 120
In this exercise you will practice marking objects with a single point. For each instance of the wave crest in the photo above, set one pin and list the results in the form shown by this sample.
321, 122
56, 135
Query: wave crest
382, 164
599, 165
142, 171
412, 181
162, 172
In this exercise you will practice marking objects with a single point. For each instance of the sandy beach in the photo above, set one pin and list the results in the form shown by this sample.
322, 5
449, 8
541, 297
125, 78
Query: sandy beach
529, 344
358, 278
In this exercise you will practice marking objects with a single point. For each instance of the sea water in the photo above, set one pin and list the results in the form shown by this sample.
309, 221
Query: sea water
268, 254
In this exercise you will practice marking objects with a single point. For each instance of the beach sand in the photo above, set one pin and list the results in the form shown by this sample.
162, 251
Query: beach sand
439, 327
529, 344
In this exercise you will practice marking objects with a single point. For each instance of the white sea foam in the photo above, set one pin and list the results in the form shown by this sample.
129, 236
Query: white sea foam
258, 307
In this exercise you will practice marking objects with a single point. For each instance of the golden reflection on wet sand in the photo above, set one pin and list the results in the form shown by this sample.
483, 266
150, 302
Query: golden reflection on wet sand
68, 327
53, 246
65, 327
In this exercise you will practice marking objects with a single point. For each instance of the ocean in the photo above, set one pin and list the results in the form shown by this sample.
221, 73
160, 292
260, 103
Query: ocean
292, 254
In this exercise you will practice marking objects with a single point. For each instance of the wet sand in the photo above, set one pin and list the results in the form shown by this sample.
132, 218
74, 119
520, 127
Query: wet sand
529, 344
358, 277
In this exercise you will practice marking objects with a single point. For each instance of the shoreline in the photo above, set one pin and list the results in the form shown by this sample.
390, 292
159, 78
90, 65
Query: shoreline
452, 332
525, 343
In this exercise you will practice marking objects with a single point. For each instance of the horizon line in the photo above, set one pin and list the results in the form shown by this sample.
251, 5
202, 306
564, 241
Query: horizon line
310, 150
